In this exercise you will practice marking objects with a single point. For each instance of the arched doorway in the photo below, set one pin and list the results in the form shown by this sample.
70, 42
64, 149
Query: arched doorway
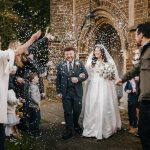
107, 35
110, 29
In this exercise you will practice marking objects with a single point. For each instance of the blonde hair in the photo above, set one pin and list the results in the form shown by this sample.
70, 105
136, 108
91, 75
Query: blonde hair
18, 61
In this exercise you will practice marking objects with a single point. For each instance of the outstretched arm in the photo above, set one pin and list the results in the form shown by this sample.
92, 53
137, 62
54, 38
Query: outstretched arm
40, 43
129, 75
21, 49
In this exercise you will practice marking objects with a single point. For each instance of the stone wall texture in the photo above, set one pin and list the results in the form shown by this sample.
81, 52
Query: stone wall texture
68, 23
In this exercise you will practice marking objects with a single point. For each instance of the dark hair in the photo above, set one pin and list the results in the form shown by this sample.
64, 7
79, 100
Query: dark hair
69, 49
32, 75
94, 59
144, 28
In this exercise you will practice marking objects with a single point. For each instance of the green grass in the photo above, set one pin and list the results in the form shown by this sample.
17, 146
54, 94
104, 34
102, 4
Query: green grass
21, 144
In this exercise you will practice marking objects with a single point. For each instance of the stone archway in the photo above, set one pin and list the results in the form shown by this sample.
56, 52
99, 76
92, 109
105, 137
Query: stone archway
111, 26
107, 35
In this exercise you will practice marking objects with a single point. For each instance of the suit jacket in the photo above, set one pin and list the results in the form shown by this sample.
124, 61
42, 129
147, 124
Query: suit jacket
63, 76
143, 70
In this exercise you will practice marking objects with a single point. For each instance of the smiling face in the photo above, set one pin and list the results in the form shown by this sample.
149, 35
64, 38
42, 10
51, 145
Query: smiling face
97, 53
69, 55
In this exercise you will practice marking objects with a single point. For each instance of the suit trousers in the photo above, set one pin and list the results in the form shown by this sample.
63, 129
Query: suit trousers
34, 121
2, 136
132, 114
72, 105
144, 124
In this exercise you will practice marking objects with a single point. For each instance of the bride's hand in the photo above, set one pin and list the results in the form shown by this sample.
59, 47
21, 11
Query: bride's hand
119, 82
82, 75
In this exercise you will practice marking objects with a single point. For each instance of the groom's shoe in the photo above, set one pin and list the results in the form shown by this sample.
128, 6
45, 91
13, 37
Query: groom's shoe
67, 135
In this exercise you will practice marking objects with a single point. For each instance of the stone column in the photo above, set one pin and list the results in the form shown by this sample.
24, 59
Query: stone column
131, 13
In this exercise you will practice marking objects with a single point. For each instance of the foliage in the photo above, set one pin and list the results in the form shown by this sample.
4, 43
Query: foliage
35, 15
8, 22
21, 18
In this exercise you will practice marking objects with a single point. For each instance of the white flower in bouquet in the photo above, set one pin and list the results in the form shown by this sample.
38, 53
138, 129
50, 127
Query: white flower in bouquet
101, 70
107, 70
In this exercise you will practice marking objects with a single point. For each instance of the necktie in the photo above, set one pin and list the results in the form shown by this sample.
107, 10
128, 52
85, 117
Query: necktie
70, 68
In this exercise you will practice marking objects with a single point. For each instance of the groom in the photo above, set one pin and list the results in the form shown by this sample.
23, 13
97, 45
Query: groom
70, 75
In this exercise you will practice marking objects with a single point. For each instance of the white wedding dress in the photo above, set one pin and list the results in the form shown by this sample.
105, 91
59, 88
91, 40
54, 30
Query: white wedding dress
100, 112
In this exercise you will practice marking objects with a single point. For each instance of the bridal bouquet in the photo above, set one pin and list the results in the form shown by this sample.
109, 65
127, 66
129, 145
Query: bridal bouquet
107, 70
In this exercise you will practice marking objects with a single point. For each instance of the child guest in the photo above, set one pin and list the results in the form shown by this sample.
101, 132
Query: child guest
130, 89
12, 118
34, 105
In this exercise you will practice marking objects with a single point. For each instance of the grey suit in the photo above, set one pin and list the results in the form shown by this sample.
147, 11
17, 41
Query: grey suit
71, 95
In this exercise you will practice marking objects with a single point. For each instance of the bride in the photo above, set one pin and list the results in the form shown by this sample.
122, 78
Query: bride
100, 111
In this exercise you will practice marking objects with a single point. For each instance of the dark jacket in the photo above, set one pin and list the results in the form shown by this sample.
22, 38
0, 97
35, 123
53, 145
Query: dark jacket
29, 66
37, 47
63, 76
143, 70
132, 97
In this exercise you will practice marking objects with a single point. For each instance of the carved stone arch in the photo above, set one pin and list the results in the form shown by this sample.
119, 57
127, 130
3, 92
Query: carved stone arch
106, 14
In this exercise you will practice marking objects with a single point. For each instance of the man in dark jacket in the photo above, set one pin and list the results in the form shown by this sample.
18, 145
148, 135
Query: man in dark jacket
143, 70
70, 75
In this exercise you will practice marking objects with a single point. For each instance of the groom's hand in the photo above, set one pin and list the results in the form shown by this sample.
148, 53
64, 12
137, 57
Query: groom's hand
74, 80
119, 82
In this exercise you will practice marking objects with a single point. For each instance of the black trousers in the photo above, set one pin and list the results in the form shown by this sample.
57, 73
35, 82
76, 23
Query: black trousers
72, 105
132, 114
34, 120
144, 124
2, 136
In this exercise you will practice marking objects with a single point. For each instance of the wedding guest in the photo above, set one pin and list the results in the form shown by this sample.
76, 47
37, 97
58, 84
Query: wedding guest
27, 64
34, 105
12, 118
130, 89
5, 67
142, 69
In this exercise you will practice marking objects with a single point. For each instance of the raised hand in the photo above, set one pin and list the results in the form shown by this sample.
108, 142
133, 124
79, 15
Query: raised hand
48, 35
36, 35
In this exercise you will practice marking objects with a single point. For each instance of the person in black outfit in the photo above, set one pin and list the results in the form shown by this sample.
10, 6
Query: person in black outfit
130, 89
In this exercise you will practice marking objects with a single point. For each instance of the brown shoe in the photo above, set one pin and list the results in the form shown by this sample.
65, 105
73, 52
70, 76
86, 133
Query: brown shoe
138, 141
133, 131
